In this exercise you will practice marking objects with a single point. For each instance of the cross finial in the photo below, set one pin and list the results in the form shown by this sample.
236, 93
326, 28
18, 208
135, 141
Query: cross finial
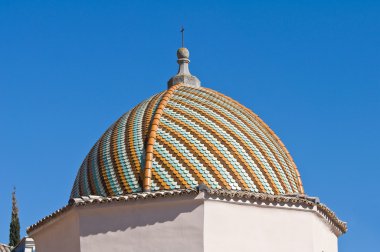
183, 34
183, 76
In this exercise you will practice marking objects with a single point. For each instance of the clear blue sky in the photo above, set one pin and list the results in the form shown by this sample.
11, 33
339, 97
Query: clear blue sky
310, 69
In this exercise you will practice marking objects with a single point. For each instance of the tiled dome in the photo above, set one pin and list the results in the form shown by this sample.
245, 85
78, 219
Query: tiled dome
184, 137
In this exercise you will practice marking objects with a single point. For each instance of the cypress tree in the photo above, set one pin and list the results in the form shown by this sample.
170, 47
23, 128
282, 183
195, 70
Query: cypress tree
14, 228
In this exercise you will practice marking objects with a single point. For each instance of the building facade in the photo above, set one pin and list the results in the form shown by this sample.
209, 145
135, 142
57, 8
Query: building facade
189, 169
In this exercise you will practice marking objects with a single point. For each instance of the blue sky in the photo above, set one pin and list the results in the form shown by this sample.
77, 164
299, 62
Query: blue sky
310, 69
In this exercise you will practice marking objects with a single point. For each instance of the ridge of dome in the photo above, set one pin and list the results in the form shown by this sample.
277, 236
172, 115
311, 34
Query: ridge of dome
152, 136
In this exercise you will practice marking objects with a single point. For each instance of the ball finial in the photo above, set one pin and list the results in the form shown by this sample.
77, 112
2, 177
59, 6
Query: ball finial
183, 53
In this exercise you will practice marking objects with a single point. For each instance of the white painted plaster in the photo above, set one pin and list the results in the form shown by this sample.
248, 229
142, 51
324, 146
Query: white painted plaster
187, 224
60, 235
159, 225
247, 227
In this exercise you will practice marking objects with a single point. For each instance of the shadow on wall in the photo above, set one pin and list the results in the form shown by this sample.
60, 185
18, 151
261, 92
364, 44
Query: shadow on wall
123, 216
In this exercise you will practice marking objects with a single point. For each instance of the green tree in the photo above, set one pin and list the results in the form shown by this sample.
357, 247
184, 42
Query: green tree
14, 228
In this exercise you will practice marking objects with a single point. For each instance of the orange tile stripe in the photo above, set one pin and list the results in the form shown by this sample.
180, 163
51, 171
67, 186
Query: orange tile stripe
148, 115
116, 159
301, 189
166, 164
218, 177
238, 138
275, 153
183, 160
129, 141
102, 167
152, 137
235, 140
218, 136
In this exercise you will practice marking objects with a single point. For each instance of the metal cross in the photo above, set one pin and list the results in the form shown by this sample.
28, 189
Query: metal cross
183, 39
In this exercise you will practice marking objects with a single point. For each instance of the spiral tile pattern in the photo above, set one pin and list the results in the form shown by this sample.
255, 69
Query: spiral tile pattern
200, 137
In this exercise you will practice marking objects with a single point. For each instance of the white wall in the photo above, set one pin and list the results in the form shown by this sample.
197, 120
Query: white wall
245, 227
323, 238
60, 235
158, 225
25, 245
186, 224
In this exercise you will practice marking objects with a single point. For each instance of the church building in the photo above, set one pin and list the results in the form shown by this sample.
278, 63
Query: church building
189, 169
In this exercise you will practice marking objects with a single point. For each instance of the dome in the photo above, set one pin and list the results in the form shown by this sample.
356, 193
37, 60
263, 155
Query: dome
184, 137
